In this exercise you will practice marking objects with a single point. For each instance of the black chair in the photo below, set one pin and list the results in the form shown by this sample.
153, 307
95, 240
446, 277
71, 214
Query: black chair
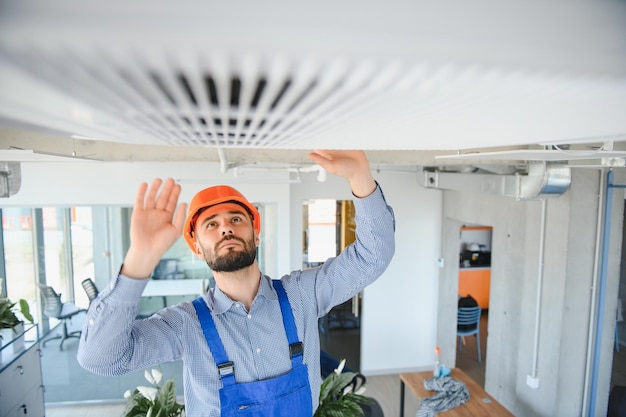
54, 308
372, 408
90, 288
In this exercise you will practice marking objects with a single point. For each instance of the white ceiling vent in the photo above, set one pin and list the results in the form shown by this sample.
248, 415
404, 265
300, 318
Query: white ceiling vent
212, 101
325, 74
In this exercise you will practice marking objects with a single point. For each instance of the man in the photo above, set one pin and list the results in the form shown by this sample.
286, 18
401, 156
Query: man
250, 346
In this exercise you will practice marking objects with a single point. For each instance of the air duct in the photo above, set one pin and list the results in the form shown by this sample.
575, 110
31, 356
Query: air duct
543, 180
10, 178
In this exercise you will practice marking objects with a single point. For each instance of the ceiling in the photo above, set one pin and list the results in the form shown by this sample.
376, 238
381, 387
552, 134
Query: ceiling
250, 82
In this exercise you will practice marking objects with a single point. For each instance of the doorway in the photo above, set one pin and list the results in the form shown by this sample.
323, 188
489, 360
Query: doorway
328, 227
474, 283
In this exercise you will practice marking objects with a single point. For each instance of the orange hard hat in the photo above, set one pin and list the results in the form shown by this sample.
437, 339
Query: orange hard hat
213, 196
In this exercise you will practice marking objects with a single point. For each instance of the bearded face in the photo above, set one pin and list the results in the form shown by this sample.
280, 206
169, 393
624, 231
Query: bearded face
230, 259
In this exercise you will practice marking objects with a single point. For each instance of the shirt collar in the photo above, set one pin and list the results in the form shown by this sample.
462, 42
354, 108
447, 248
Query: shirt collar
220, 303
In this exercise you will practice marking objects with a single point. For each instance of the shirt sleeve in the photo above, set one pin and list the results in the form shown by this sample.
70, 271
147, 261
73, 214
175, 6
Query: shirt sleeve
360, 263
114, 343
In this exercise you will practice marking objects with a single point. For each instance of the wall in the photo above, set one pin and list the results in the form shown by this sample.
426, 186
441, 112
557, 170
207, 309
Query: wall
399, 315
405, 336
565, 302
507, 217
413, 305
115, 184
399, 318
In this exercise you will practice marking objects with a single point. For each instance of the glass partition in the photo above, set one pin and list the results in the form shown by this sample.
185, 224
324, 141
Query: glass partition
81, 229
19, 260
62, 247
57, 251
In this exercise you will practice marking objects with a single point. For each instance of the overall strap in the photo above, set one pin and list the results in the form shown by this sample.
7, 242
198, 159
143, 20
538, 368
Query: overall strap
225, 367
296, 348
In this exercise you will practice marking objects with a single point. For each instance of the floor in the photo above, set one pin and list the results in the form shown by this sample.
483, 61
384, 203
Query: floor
467, 357
384, 388
103, 396
61, 374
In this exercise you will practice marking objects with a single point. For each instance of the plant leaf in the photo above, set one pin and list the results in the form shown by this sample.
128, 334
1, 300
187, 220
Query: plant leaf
25, 309
8, 319
167, 395
337, 399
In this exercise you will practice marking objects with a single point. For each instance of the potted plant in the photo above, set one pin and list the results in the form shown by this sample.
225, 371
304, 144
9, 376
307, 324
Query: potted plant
11, 326
154, 401
340, 396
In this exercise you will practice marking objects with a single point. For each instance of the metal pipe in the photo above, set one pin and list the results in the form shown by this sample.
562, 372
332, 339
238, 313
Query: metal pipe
542, 240
602, 292
223, 160
594, 292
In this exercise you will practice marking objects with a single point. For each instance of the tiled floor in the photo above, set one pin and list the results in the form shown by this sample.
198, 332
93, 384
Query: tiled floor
384, 388
66, 381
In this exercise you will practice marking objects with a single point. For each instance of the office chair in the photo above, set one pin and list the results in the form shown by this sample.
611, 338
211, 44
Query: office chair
468, 323
54, 308
90, 288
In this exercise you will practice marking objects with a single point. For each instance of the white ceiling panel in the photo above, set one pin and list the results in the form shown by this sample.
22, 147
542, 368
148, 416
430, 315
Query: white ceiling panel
448, 75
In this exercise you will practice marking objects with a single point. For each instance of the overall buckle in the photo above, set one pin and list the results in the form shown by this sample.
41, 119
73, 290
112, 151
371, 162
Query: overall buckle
226, 368
296, 349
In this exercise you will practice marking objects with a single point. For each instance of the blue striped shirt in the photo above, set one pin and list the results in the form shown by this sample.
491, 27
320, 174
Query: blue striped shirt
114, 343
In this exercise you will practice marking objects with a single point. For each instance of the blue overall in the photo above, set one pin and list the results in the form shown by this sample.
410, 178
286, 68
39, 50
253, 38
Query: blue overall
287, 395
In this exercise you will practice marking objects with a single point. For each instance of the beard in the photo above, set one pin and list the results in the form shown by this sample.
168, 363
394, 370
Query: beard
233, 260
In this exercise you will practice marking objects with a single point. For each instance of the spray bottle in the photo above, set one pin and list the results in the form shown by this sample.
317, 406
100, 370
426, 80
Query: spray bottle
437, 367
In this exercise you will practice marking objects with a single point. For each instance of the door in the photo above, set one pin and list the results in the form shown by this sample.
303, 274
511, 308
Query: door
475, 280
328, 227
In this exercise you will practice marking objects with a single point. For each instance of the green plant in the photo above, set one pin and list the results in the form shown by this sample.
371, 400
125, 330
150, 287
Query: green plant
338, 397
8, 318
154, 401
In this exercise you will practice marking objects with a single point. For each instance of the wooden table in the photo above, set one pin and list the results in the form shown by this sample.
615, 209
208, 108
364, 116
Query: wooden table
479, 404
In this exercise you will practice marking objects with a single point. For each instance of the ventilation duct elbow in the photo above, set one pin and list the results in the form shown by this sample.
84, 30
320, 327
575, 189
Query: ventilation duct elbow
544, 181
541, 181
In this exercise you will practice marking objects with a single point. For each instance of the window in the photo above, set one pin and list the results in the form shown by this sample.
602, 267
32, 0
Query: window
61, 246
329, 227
81, 229
19, 261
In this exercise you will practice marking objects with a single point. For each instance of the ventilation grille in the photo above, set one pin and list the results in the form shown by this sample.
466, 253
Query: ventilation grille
208, 98
214, 101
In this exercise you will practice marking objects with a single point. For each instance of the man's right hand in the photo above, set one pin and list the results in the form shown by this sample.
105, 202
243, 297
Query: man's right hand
350, 164
153, 227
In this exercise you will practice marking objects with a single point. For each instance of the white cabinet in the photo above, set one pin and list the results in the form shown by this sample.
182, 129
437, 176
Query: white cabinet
21, 390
